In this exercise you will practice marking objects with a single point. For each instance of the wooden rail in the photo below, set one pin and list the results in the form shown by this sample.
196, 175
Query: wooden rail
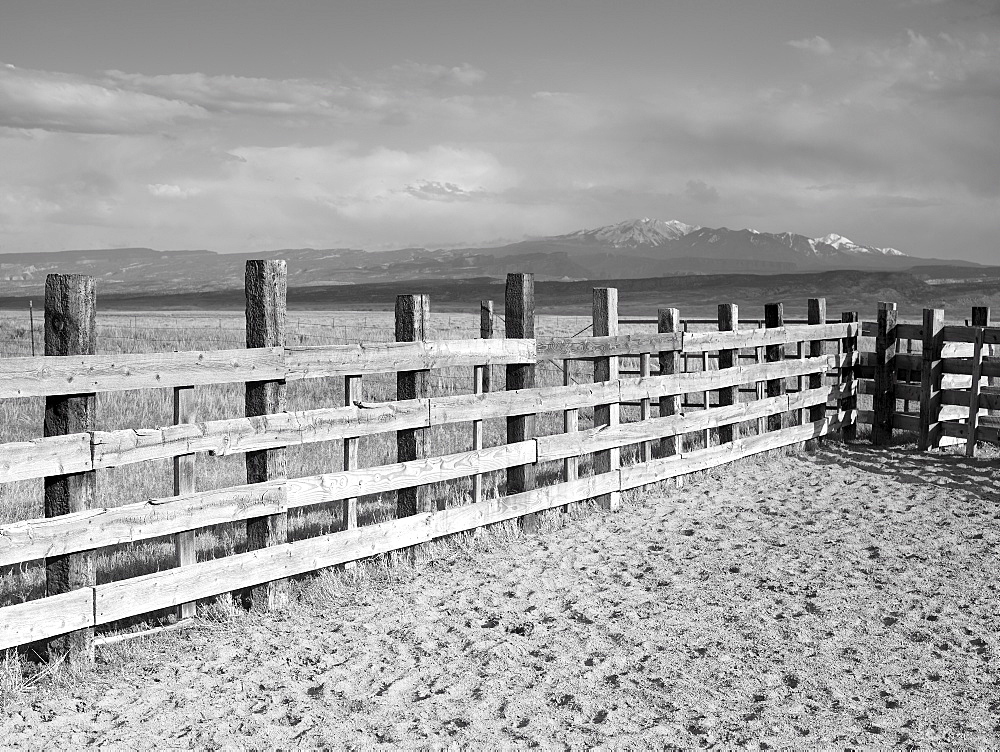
268, 429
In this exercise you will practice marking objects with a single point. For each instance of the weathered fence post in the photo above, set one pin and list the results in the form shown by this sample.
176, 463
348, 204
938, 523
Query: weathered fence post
353, 393
519, 321
266, 289
185, 411
774, 318
668, 322
977, 374
70, 329
884, 399
645, 404
981, 317
931, 370
729, 316
605, 318
413, 313
849, 403
816, 315
481, 385
486, 332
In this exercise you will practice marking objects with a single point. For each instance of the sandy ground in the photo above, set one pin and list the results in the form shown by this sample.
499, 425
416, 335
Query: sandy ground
845, 599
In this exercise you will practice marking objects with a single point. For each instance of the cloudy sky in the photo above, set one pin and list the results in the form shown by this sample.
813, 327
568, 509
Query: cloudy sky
244, 125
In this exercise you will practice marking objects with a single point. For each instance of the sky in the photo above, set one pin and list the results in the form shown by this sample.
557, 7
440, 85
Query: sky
247, 125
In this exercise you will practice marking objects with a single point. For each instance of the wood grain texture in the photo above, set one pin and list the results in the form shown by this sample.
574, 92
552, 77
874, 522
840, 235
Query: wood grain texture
353, 394
44, 618
816, 315
403, 355
319, 489
991, 342
728, 358
884, 360
606, 415
704, 459
849, 403
185, 468
668, 321
558, 446
48, 376
604, 346
930, 379
164, 589
70, 330
761, 337
55, 455
266, 288
774, 318
519, 323
29, 540
973, 420
95, 528
239, 435
412, 323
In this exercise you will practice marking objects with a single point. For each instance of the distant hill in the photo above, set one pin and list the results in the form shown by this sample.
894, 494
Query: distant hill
634, 249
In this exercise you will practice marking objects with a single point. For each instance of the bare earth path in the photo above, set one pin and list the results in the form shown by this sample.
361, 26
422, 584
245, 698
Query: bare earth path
847, 598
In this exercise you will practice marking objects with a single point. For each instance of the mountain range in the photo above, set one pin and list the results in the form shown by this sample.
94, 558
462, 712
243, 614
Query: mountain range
631, 249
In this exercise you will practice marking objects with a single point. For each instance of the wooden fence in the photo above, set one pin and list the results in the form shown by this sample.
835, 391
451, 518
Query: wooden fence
927, 379
793, 397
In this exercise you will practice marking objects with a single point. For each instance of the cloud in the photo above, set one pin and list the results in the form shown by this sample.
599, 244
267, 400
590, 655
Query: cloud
61, 102
462, 75
700, 191
165, 190
817, 45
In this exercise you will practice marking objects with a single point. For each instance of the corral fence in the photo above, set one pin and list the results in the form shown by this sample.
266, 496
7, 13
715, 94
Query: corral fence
757, 389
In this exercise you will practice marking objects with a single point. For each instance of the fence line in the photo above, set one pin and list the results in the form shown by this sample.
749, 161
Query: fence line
668, 439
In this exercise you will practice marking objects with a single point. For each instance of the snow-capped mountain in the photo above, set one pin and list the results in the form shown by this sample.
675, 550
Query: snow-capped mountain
846, 245
634, 233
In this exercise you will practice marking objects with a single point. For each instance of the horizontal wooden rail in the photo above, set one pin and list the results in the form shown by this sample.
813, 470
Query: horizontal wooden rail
589, 348
47, 376
48, 617
751, 338
95, 528
82, 374
105, 449
385, 357
560, 446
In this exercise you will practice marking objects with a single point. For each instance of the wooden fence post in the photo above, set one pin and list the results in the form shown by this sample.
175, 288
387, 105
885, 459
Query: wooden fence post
70, 329
729, 316
981, 317
931, 370
977, 374
669, 321
266, 288
816, 315
774, 318
486, 332
519, 320
645, 404
481, 385
849, 431
884, 399
185, 411
353, 393
413, 314
605, 324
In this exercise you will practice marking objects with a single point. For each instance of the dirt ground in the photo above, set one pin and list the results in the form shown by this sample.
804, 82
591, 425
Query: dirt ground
842, 599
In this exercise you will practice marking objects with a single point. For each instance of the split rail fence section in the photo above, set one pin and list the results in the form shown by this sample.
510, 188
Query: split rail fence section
671, 439
939, 382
